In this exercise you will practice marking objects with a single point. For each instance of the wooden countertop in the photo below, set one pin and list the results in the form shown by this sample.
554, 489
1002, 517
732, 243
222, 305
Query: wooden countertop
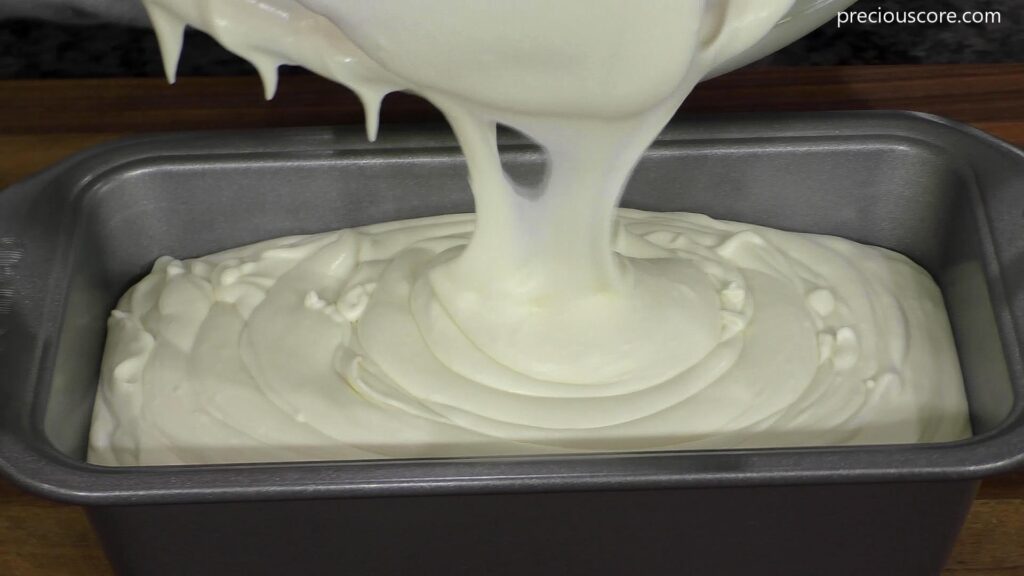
43, 121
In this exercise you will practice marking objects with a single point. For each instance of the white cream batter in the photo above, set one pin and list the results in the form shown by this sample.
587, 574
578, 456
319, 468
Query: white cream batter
559, 326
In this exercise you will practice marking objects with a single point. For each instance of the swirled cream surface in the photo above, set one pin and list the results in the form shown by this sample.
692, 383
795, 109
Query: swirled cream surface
549, 321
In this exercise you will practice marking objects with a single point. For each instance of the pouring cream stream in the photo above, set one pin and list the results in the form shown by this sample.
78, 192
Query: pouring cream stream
550, 321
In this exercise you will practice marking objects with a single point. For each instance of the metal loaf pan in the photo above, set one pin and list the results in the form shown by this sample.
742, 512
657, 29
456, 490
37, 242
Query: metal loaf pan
75, 237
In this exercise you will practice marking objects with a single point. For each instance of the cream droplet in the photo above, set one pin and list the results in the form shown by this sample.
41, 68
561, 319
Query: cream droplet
313, 301
267, 69
822, 301
733, 297
371, 107
354, 302
847, 349
174, 268
170, 31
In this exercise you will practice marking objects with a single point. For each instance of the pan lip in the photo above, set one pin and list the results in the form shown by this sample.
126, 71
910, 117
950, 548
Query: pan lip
41, 469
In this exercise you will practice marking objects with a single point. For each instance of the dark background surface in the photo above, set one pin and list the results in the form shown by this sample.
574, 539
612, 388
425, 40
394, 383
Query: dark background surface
35, 49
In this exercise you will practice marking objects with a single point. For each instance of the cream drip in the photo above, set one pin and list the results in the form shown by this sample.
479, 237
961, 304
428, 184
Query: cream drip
547, 322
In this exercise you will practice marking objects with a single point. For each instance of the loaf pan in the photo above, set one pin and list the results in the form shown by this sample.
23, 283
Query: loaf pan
75, 237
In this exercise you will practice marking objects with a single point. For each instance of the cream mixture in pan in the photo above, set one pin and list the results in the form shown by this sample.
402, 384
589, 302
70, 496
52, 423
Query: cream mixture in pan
549, 321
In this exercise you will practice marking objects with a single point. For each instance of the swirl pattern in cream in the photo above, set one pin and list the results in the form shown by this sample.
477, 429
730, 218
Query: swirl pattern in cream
333, 347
